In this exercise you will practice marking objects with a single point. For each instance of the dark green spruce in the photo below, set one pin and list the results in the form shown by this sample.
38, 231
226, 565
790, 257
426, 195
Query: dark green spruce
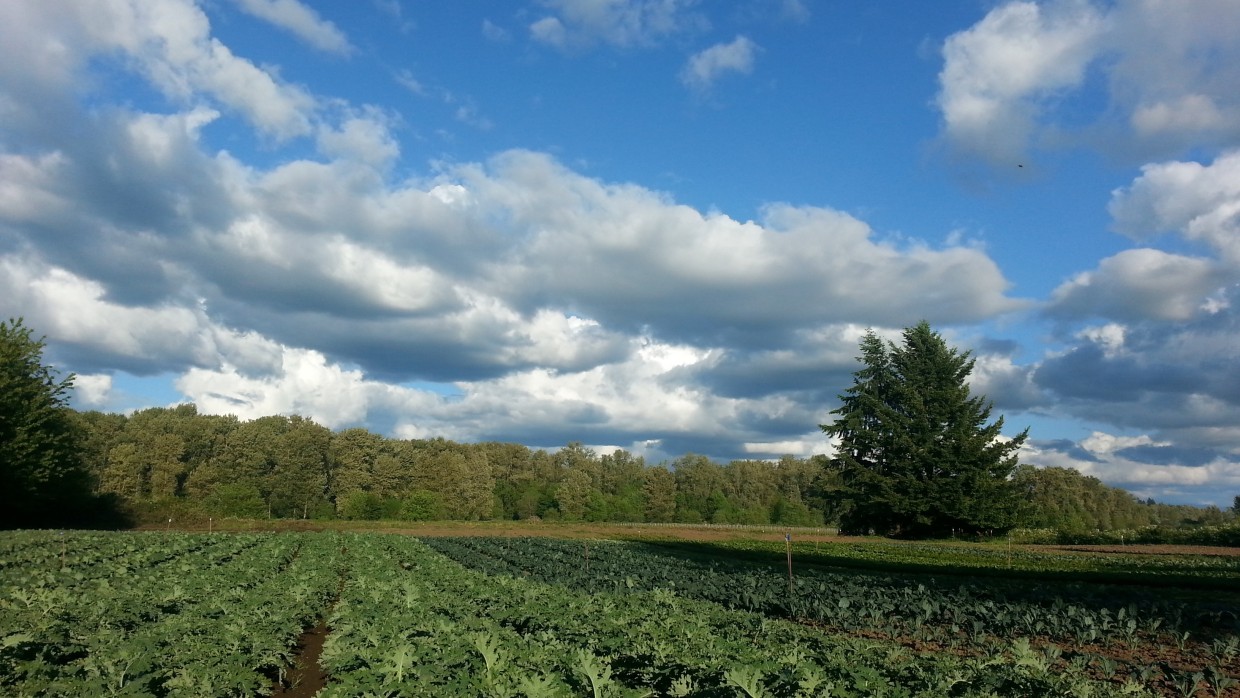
917, 453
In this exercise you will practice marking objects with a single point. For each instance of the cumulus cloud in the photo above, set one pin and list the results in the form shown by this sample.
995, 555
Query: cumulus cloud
1141, 283
997, 73
1170, 70
100, 334
363, 139
304, 383
1174, 380
620, 23
1200, 202
1006, 384
92, 391
619, 252
167, 41
301, 21
705, 67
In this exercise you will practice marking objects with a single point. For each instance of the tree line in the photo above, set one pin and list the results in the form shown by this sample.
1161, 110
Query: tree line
59, 466
170, 459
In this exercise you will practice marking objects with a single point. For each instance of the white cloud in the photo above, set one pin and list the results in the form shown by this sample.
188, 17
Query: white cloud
494, 32
76, 312
620, 251
1186, 114
302, 21
92, 391
1109, 336
1005, 383
1201, 202
633, 399
1169, 72
801, 448
622, 23
996, 73
1138, 284
363, 139
305, 383
708, 65
168, 41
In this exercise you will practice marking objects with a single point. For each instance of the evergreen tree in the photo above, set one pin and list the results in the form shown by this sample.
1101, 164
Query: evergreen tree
916, 455
42, 477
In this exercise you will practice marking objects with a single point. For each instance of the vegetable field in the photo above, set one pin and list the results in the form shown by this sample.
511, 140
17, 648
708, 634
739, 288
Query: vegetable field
179, 614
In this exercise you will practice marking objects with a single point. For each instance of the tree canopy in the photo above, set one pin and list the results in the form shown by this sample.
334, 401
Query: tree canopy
42, 480
916, 454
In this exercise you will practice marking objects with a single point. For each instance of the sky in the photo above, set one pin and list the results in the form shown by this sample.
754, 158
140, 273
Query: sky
657, 225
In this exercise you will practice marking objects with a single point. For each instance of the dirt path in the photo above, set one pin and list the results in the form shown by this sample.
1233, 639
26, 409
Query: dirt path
306, 677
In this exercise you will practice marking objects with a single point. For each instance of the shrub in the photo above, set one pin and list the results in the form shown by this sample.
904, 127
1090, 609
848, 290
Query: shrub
420, 505
361, 506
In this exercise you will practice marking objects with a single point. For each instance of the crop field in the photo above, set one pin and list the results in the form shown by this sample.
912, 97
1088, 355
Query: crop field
336, 613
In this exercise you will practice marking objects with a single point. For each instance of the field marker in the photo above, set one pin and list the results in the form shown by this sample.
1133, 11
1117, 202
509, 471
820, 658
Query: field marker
788, 545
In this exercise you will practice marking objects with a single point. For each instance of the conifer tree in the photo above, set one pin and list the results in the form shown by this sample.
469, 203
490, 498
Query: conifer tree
916, 455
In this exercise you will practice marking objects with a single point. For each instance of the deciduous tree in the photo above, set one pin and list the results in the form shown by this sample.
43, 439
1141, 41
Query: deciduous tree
42, 477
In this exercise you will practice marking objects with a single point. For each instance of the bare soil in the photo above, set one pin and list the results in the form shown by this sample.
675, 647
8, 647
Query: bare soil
1150, 549
306, 677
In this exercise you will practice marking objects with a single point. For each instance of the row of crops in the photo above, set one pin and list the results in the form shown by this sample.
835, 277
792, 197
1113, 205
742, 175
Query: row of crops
1150, 637
89, 614
944, 609
1195, 571
197, 614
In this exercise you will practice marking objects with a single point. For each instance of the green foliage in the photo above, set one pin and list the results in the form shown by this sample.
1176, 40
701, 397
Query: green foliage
1078, 506
237, 499
791, 513
989, 622
1227, 536
43, 480
201, 614
916, 455
361, 506
421, 505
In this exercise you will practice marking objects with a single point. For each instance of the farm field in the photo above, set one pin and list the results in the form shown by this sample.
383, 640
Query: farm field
338, 613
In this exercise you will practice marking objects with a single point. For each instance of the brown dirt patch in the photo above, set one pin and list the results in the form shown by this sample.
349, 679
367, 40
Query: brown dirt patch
513, 529
306, 677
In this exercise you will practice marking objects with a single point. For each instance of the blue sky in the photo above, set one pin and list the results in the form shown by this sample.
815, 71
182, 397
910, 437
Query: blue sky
659, 225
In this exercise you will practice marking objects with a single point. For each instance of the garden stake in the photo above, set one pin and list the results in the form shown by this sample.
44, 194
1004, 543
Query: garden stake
788, 545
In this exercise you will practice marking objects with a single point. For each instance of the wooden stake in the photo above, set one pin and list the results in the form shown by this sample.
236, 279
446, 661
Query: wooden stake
788, 545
